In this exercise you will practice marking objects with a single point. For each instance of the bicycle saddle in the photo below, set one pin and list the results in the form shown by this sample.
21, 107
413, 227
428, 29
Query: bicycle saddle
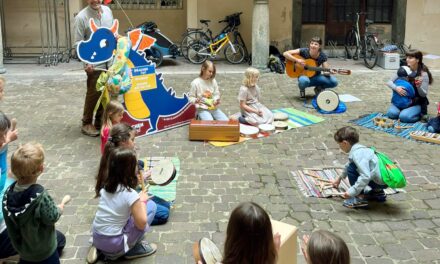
368, 21
203, 21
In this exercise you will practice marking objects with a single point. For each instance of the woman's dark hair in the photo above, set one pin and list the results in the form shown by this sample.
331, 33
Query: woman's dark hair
118, 134
348, 134
249, 238
122, 165
325, 247
317, 40
421, 67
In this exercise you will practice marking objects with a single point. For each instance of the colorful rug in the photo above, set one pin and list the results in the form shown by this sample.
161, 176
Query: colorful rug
296, 119
315, 182
167, 192
367, 121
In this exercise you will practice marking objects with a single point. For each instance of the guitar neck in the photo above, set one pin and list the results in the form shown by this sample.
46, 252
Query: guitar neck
311, 68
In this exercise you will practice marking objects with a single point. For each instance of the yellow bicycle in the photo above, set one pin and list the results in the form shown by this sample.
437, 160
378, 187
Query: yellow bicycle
199, 51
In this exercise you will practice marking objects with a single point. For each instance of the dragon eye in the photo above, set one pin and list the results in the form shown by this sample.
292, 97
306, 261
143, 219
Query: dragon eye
103, 43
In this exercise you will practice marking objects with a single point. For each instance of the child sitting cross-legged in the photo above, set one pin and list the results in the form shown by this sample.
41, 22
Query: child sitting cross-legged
362, 170
29, 211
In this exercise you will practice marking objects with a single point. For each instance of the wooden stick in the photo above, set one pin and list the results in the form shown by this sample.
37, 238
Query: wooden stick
324, 180
65, 200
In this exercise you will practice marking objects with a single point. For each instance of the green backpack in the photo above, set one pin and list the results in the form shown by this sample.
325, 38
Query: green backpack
390, 173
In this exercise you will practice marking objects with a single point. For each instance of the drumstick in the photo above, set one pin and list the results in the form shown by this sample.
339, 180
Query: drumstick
317, 177
65, 200
13, 124
324, 180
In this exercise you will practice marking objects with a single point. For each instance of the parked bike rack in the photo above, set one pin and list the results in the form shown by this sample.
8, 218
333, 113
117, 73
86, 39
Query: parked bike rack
51, 52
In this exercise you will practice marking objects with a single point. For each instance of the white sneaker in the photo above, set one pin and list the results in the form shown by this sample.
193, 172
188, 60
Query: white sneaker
92, 256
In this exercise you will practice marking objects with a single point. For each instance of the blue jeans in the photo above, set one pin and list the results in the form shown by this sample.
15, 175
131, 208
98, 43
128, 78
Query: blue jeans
162, 212
317, 80
353, 175
408, 115
209, 115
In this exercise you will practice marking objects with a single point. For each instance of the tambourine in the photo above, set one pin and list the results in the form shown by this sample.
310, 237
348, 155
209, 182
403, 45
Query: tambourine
266, 128
280, 116
206, 251
163, 173
249, 131
280, 125
327, 100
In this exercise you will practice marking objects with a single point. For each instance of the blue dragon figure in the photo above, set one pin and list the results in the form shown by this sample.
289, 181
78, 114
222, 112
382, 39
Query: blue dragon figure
156, 107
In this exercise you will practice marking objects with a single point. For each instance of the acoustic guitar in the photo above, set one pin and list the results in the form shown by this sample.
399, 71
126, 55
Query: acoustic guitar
294, 70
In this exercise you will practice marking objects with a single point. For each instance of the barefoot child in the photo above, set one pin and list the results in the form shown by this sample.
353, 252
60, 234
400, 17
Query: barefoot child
112, 115
362, 170
253, 112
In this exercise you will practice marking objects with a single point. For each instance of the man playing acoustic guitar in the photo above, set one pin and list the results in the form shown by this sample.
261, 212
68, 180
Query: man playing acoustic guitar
304, 62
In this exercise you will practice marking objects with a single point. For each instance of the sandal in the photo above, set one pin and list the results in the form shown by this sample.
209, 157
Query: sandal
355, 202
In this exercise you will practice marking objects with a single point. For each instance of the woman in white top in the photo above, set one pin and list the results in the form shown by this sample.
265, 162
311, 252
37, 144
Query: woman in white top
204, 93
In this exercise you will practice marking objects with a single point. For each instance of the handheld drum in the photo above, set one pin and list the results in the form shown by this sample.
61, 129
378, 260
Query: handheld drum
249, 131
327, 100
280, 125
280, 116
163, 173
206, 251
266, 128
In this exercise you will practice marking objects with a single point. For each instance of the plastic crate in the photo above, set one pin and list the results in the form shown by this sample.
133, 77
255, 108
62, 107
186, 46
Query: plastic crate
389, 61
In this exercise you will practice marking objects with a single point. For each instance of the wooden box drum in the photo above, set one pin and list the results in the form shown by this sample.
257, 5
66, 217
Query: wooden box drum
287, 252
206, 251
249, 131
214, 130
327, 100
163, 173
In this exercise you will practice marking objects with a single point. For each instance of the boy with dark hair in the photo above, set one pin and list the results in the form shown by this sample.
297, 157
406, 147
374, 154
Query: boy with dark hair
29, 211
362, 170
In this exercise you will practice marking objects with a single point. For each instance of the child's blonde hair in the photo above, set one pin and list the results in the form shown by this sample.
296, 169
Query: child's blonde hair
26, 161
249, 74
113, 107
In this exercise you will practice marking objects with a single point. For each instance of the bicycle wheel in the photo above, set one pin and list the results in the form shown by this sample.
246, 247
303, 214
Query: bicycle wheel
189, 38
370, 52
153, 54
197, 52
351, 49
239, 40
234, 57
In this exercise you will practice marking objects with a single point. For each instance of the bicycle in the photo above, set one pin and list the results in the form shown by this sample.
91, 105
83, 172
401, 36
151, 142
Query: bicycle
203, 37
365, 46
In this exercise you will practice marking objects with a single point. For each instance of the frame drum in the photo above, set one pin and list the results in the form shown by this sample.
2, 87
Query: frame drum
280, 116
280, 125
163, 172
206, 251
249, 131
266, 128
327, 100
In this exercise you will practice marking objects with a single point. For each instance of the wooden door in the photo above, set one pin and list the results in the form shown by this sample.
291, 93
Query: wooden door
338, 23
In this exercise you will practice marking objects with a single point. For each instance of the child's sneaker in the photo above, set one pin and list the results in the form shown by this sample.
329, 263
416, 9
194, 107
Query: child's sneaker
92, 256
355, 202
318, 89
376, 195
302, 93
141, 249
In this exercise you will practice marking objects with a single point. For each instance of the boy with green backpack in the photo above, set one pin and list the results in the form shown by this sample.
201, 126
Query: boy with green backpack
369, 172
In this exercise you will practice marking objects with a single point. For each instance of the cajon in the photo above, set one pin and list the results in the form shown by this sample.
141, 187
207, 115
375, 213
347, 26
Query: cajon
289, 233
214, 130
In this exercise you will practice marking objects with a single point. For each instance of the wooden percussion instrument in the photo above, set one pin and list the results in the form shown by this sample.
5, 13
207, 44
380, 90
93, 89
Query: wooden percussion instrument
163, 173
287, 252
280, 125
280, 116
383, 122
327, 100
214, 130
426, 136
249, 131
266, 129
206, 251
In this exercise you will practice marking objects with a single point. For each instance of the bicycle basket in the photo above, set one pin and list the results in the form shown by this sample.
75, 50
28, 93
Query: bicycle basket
233, 20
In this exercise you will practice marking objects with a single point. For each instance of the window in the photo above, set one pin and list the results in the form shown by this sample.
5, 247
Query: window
380, 11
146, 4
313, 11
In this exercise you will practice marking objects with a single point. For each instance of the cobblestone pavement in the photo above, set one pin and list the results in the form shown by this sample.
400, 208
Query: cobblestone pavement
48, 105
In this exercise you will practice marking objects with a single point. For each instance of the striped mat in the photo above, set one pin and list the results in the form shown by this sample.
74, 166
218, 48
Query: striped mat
167, 192
312, 182
367, 121
296, 119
